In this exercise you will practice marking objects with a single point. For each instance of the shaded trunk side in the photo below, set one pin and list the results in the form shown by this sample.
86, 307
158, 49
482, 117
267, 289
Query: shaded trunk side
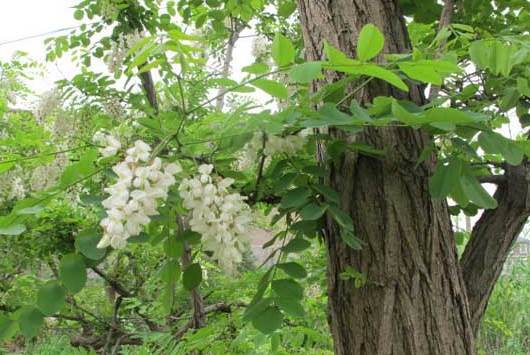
414, 301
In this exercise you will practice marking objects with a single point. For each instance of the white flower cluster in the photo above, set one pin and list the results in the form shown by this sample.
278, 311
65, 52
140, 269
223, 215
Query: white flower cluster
221, 217
49, 102
113, 107
134, 196
289, 145
119, 50
132, 38
110, 145
18, 190
109, 10
45, 176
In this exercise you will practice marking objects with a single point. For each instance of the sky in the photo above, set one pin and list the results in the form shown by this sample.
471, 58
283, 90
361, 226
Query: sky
23, 18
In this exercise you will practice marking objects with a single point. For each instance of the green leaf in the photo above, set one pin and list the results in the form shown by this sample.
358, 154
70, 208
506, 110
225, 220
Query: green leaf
405, 116
8, 328
286, 8
342, 218
523, 87
287, 288
295, 198
296, 245
77, 171
350, 239
6, 166
445, 178
306, 72
192, 276
275, 342
335, 56
327, 192
341, 63
170, 271
30, 320
494, 143
359, 112
51, 298
268, 321
282, 50
173, 247
72, 272
13, 229
293, 269
290, 306
272, 88
450, 115
370, 42
256, 306
383, 74
30, 210
78, 15
329, 115
312, 212
476, 193
494, 55
423, 72
86, 242
190, 237
256, 68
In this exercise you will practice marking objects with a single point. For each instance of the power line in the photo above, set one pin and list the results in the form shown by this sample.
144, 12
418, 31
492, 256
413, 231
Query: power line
39, 35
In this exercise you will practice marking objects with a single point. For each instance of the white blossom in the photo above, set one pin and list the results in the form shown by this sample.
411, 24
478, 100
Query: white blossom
134, 196
110, 144
289, 145
113, 107
221, 217
18, 190
49, 102
115, 59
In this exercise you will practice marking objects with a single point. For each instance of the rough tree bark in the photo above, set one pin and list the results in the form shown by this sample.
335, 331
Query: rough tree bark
414, 301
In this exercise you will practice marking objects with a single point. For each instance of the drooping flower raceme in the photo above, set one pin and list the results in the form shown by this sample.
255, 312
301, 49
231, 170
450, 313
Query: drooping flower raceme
289, 145
119, 49
134, 198
221, 217
110, 145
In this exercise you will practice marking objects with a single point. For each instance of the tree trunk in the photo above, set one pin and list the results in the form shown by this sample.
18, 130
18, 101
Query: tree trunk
414, 301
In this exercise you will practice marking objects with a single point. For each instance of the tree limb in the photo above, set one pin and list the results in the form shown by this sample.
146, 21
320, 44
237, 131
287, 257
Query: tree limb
492, 179
116, 285
149, 88
445, 20
236, 28
492, 238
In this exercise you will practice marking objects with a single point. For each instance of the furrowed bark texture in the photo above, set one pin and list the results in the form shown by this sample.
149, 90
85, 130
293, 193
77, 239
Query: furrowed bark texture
492, 237
414, 301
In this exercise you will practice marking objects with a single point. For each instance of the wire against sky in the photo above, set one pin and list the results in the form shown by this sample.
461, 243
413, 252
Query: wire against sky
40, 35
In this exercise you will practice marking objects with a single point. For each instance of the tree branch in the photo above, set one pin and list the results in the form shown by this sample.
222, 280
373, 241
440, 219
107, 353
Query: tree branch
492, 238
445, 20
236, 28
116, 285
492, 179
149, 88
